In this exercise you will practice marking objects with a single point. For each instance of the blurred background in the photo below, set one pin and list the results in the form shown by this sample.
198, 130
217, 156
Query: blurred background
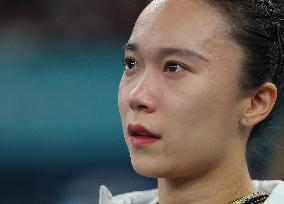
60, 132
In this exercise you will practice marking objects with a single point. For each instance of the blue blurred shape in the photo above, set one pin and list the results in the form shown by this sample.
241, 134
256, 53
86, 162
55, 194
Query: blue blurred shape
58, 106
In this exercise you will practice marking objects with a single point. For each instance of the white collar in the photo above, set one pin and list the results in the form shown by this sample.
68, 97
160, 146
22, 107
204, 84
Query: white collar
274, 188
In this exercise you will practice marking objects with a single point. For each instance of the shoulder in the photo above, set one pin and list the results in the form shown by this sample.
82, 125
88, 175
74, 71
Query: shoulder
135, 197
274, 188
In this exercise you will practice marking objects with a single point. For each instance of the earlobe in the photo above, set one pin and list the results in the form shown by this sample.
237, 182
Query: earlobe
259, 105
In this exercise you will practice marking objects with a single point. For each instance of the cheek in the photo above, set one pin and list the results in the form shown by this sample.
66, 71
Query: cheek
201, 114
194, 135
123, 100
188, 103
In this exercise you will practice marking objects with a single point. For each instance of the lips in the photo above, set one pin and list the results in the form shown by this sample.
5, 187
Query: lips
141, 131
141, 137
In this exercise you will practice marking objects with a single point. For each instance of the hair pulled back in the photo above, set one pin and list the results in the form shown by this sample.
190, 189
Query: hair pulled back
257, 26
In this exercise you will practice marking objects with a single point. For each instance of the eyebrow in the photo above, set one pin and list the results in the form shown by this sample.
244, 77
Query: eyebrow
167, 51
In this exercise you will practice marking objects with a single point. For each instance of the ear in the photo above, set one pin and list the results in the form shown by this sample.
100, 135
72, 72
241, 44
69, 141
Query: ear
258, 105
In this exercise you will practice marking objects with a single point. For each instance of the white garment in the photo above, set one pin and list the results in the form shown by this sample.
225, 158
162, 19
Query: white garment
275, 190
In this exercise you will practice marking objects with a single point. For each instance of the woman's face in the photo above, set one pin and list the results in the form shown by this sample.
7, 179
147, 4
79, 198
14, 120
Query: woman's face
180, 84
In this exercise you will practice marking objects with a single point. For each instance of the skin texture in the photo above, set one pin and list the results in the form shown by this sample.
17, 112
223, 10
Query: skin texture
182, 82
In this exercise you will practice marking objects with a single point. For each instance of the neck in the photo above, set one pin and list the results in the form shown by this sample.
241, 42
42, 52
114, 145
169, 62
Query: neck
222, 185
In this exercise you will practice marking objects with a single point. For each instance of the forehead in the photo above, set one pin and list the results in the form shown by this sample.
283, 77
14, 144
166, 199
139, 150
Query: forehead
180, 23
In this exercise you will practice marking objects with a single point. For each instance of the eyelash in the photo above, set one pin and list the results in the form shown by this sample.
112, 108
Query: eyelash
126, 61
168, 64
171, 63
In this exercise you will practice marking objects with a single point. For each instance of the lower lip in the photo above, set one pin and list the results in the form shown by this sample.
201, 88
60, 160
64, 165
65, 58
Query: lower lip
142, 141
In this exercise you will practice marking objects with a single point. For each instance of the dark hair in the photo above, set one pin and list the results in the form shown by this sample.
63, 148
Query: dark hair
256, 25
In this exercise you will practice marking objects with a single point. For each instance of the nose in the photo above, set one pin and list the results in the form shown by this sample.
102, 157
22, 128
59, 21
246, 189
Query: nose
143, 96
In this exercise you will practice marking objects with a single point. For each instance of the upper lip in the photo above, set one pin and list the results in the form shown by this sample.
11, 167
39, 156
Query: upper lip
137, 129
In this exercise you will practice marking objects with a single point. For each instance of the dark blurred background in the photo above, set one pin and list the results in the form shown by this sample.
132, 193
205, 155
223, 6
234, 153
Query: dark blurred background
60, 132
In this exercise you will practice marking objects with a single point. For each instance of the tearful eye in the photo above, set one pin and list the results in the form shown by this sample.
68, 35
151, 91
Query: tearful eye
129, 64
174, 67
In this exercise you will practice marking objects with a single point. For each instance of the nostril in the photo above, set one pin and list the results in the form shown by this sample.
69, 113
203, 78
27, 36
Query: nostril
142, 107
135, 105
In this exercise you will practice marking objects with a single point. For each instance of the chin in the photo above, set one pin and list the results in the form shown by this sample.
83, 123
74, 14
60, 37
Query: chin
149, 169
147, 172
157, 169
